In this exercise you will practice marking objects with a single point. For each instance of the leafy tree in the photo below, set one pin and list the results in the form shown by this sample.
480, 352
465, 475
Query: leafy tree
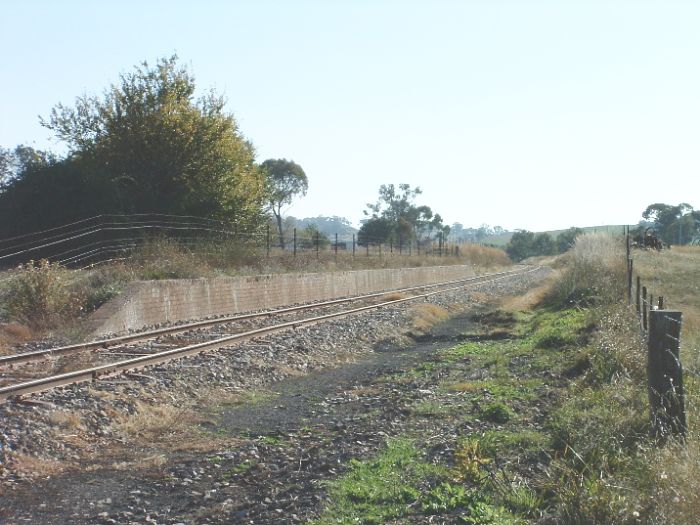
161, 149
395, 216
566, 239
6, 167
14, 163
375, 231
674, 224
521, 245
543, 244
285, 180
53, 194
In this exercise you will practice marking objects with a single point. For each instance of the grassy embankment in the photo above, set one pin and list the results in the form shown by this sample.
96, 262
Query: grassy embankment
41, 297
549, 407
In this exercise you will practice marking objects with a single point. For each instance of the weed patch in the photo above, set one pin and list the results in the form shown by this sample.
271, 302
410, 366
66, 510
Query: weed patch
497, 413
399, 482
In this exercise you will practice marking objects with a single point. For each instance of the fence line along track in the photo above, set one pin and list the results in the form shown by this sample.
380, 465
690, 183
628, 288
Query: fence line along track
90, 374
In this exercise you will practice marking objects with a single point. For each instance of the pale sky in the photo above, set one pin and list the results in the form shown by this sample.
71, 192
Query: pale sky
524, 114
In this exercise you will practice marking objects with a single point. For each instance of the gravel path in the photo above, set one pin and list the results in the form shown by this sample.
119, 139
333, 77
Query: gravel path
307, 402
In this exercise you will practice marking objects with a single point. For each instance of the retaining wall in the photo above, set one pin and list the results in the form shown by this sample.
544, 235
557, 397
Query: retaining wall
148, 303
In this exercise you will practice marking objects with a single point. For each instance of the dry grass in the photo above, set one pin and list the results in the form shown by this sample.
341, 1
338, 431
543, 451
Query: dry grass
158, 423
676, 496
35, 466
605, 418
66, 419
394, 296
424, 316
13, 334
467, 386
484, 256
675, 274
147, 462
593, 271
281, 262
533, 297
164, 427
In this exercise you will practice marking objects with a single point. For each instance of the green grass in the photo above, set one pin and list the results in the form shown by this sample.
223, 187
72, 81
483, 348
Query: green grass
238, 470
381, 488
487, 481
398, 482
514, 443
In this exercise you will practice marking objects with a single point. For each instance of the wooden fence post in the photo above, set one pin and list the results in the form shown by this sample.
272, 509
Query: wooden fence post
639, 299
644, 308
665, 373
630, 264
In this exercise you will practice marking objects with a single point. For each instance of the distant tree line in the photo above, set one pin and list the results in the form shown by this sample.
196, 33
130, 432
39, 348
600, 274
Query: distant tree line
476, 235
524, 244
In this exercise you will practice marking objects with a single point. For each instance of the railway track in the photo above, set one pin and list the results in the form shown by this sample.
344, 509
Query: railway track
165, 347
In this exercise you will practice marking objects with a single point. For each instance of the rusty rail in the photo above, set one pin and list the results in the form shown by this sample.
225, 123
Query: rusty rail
90, 374
26, 357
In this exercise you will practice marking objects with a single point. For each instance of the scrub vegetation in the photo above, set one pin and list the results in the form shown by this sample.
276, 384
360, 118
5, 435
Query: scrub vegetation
551, 407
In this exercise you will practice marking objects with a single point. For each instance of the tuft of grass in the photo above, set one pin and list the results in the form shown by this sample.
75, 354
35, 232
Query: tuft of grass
427, 315
156, 422
394, 296
497, 412
67, 419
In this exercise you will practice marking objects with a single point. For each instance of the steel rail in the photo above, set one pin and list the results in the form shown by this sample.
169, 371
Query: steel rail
91, 374
37, 355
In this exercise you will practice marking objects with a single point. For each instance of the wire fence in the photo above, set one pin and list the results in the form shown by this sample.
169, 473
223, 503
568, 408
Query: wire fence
112, 237
661, 328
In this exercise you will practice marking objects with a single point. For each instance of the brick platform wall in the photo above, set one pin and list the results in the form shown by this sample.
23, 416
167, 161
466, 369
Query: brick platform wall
148, 303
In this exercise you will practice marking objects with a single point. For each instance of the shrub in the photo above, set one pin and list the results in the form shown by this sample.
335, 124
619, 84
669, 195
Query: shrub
593, 272
38, 295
